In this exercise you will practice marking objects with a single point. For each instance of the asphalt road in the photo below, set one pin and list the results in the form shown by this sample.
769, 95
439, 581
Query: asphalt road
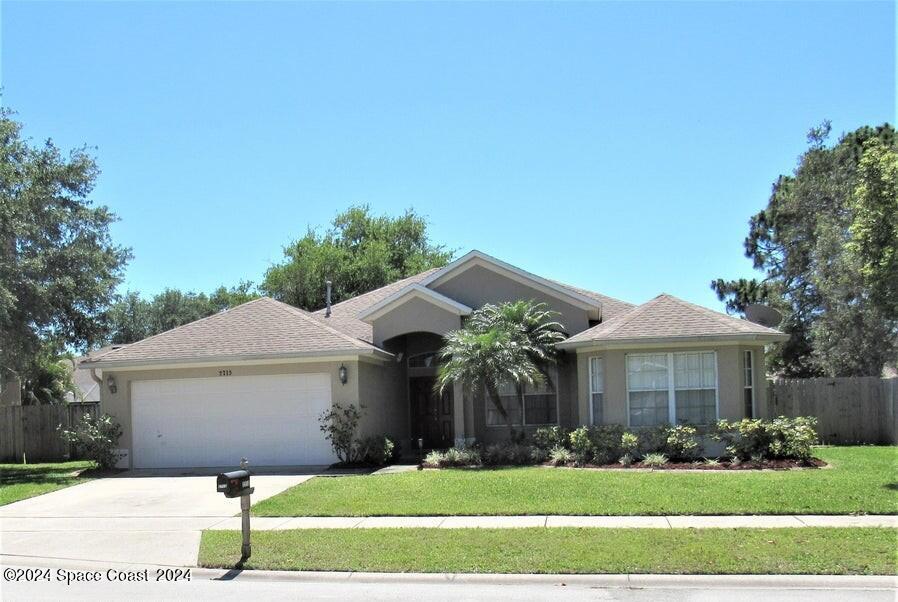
210, 586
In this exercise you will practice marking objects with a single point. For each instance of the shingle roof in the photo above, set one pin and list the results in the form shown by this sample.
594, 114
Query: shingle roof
667, 317
344, 315
611, 307
261, 328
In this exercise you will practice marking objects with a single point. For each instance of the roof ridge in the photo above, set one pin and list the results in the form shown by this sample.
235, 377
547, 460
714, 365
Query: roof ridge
159, 334
615, 323
374, 290
590, 291
721, 318
307, 317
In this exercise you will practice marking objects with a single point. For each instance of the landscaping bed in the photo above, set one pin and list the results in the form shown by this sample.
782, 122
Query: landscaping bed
859, 480
806, 551
782, 464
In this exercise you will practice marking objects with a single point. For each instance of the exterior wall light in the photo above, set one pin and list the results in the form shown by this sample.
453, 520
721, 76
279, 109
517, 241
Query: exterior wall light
110, 382
343, 374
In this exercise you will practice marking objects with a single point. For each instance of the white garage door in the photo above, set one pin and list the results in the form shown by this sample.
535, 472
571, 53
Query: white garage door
191, 422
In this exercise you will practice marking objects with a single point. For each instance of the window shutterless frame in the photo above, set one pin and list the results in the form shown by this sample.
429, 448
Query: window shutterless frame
487, 404
593, 362
748, 371
671, 383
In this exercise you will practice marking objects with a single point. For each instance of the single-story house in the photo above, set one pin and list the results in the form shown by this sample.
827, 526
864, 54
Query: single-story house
253, 380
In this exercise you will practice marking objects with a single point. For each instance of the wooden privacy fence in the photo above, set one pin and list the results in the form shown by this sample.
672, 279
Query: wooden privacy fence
848, 410
31, 430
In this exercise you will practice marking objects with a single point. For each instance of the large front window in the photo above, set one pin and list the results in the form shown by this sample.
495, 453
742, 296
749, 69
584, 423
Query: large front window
672, 388
533, 406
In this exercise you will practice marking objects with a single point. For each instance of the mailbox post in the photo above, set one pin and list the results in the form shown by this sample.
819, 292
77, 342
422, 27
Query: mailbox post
236, 484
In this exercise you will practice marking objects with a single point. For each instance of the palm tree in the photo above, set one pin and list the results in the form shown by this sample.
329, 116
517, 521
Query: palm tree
532, 323
510, 342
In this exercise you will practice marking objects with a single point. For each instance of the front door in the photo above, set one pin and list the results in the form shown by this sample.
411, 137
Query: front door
431, 413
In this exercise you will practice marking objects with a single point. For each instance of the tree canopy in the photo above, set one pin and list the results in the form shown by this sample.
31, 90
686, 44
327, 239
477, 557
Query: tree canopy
133, 318
358, 253
826, 243
58, 265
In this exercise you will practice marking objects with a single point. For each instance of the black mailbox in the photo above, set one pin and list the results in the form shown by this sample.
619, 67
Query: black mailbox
234, 483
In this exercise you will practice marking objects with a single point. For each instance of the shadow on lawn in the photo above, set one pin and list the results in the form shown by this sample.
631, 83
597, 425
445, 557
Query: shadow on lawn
892, 486
43, 474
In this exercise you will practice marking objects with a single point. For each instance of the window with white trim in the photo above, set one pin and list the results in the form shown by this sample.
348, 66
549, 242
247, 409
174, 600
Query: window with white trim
534, 406
665, 388
749, 385
695, 387
596, 388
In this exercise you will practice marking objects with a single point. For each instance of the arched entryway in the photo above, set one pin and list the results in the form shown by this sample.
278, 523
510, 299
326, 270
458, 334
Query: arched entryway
432, 415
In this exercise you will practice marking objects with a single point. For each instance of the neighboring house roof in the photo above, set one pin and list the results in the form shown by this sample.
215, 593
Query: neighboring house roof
260, 329
86, 388
667, 318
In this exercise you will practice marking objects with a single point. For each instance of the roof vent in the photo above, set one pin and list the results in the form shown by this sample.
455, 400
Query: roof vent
327, 312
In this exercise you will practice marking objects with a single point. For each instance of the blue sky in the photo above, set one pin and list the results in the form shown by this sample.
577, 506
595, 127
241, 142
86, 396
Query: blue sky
618, 147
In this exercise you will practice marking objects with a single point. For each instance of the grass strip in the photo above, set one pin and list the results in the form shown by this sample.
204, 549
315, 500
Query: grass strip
811, 551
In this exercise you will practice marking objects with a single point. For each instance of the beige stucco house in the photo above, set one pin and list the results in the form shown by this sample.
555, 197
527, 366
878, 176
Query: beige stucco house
252, 381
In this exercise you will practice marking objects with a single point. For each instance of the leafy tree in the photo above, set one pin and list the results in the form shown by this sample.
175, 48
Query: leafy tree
801, 242
58, 265
508, 343
358, 253
133, 318
46, 378
874, 229
130, 319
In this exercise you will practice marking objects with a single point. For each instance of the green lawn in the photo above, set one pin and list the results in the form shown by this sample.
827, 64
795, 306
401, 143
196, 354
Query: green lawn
21, 481
539, 550
860, 480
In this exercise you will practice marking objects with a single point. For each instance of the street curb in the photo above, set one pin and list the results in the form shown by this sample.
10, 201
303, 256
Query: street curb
866, 582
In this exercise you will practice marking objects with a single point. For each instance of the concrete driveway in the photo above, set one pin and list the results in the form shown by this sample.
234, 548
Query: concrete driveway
143, 517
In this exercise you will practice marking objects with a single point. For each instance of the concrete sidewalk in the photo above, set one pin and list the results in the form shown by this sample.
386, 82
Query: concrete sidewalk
263, 523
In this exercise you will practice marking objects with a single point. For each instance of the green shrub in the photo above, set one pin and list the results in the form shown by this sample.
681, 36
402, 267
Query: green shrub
629, 443
507, 453
581, 445
625, 460
655, 460
454, 456
339, 425
376, 450
549, 437
560, 456
434, 458
538, 455
780, 438
94, 439
678, 442
597, 444
792, 437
